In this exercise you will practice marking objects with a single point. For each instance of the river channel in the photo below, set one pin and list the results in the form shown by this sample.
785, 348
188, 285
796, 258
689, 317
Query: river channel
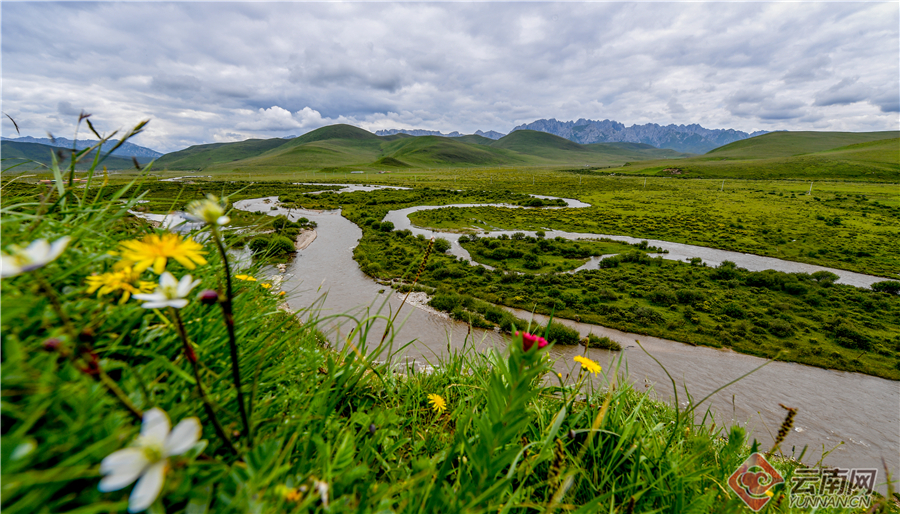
855, 415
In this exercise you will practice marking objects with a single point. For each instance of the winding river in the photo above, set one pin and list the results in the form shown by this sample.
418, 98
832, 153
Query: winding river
856, 415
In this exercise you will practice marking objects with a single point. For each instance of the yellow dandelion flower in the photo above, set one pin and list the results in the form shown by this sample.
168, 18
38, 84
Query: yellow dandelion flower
266, 286
437, 402
281, 293
245, 278
155, 250
291, 494
587, 364
125, 280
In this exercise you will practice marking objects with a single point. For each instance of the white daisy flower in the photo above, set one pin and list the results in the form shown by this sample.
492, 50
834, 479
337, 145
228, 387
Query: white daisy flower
208, 211
36, 255
169, 292
148, 460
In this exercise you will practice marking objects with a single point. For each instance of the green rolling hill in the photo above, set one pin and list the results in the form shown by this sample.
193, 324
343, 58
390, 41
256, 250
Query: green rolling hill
836, 155
202, 156
786, 144
866, 156
36, 157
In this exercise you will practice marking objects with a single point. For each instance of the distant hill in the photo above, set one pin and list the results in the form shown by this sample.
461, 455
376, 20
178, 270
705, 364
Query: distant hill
683, 138
202, 156
869, 156
126, 150
785, 144
490, 134
37, 157
345, 147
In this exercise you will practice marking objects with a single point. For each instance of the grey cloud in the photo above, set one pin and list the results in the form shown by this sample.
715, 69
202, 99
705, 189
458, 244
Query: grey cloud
218, 71
66, 109
847, 91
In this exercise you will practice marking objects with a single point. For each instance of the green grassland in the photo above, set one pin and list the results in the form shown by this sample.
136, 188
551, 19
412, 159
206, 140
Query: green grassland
867, 156
330, 430
793, 317
532, 255
840, 226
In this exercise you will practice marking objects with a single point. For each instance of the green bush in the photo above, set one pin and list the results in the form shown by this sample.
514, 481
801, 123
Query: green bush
441, 245
887, 286
593, 341
557, 333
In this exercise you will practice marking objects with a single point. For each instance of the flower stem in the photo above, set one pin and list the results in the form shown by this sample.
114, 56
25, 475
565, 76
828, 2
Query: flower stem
100, 375
192, 357
227, 313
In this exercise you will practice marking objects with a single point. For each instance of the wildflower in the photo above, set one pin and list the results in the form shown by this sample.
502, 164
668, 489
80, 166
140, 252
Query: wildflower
148, 460
155, 250
169, 293
209, 211
528, 341
51, 345
587, 364
438, 404
266, 286
245, 278
37, 254
124, 279
291, 494
281, 293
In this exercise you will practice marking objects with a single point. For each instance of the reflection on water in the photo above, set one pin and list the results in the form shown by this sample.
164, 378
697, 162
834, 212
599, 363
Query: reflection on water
833, 406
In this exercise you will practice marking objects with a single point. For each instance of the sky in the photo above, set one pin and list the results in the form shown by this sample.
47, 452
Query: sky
205, 72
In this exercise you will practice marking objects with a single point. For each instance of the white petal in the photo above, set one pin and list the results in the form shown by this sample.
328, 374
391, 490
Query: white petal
178, 304
155, 427
223, 220
148, 487
155, 305
122, 467
150, 297
9, 267
57, 248
183, 437
167, 280
185, 286
37, 252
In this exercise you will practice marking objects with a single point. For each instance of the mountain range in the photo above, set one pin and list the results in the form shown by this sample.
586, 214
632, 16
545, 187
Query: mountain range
126, 150
682, 138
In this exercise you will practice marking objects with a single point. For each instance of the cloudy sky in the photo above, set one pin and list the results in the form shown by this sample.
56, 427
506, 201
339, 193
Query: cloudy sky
214, 72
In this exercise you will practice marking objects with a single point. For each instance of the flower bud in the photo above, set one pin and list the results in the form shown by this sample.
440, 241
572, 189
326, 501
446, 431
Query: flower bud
208, 297
52, 344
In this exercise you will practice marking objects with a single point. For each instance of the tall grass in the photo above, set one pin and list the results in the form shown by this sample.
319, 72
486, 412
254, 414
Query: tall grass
328, 430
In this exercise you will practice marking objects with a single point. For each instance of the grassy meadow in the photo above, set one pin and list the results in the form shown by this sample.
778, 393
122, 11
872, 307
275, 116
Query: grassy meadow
269, 415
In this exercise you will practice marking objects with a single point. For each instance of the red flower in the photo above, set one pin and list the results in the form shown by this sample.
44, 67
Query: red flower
528, 341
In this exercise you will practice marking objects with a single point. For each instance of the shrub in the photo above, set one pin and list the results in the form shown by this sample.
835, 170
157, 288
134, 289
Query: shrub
662, 296
592, 341
258, 244
733, 310
888, 286
780, 328
441, 245
688, 296
558, 333
445, 302
280, 245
